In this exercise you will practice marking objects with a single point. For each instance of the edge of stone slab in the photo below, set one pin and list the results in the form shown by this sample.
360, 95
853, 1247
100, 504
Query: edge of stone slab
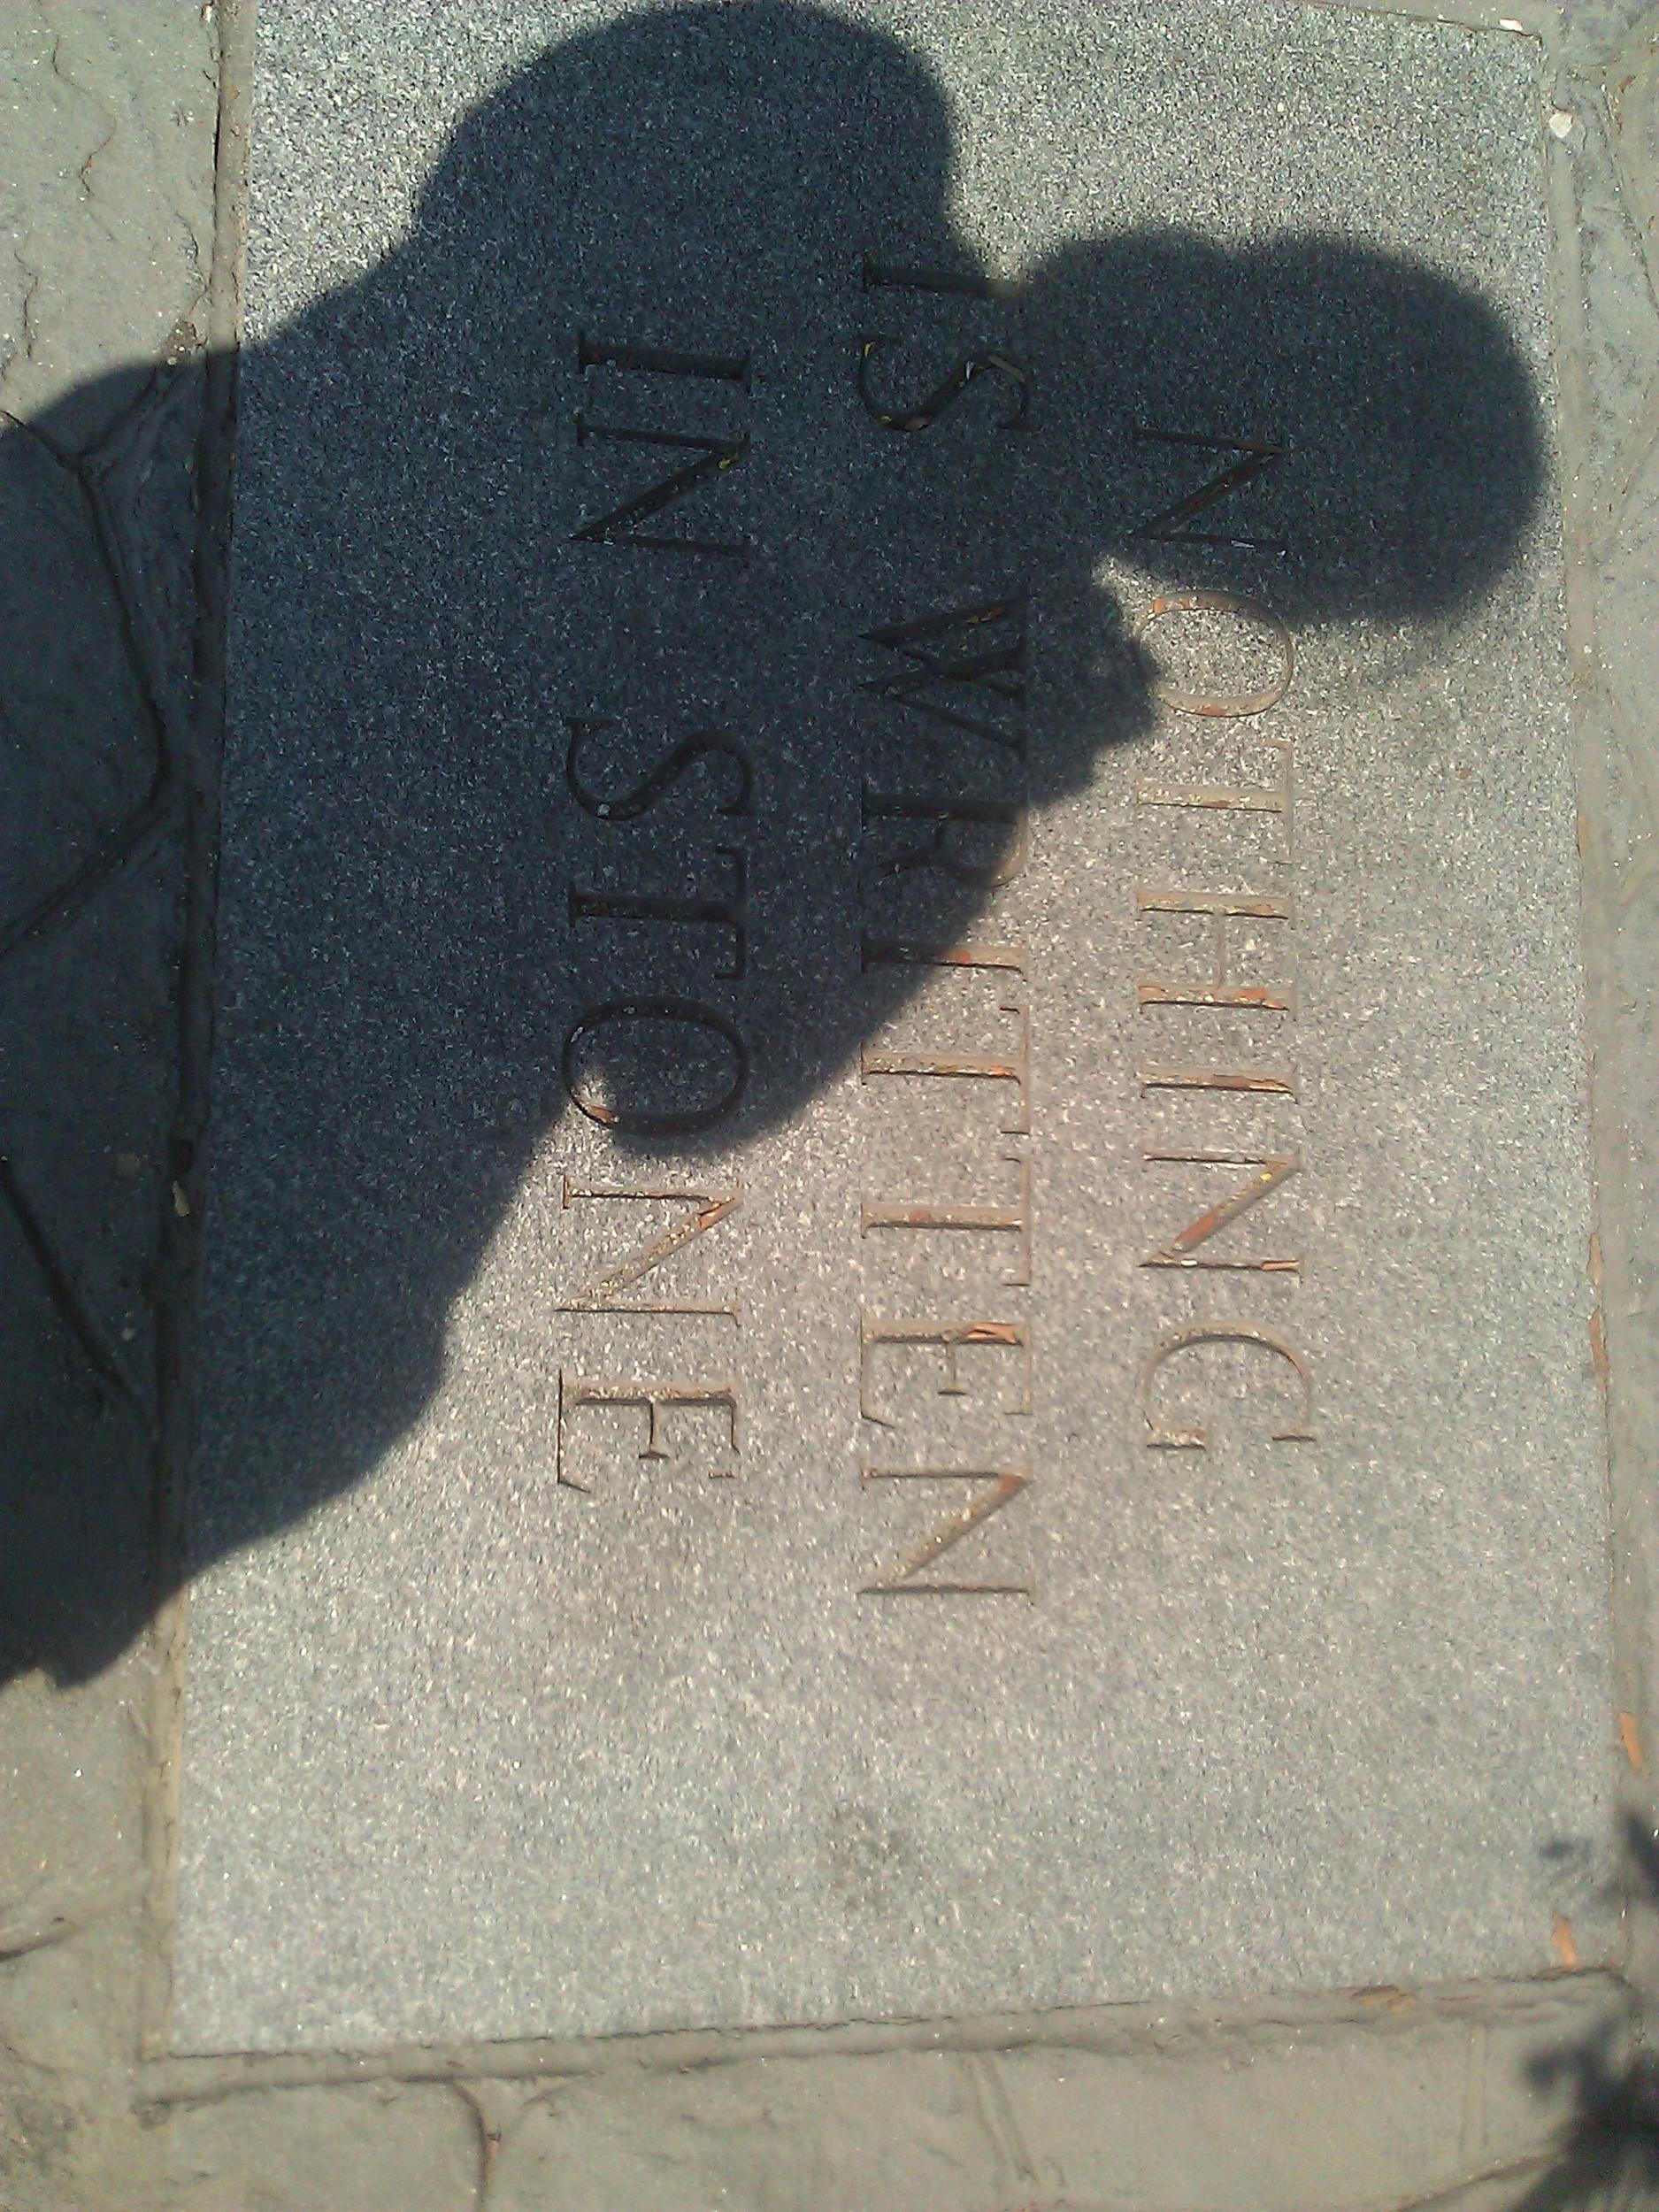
1591, 1998
1596, 2002
1619, 1112
180, 1251
1526, 19
1471, 2096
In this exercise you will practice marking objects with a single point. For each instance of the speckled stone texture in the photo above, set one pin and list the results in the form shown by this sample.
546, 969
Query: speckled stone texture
496, 1727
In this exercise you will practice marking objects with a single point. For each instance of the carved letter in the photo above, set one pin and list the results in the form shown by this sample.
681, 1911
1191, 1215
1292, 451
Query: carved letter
925, 412
948, 1337
627, 806
1221, 798
616, 527
652, 1398
1253, 997
878, 275
1221, 1332
989, 1067
1001, 867
716, 456
721, 368
1214, 702
1274, 1169
995, 670
645, 1123
712, 1207
1007, 1482
730, 912
1015, 1220
1165, 525
1260, 1082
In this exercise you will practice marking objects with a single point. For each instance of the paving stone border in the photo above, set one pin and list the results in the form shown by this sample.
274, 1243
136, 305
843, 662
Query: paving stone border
126, 198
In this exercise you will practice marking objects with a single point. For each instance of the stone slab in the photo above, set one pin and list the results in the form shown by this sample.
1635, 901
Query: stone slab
499, 1725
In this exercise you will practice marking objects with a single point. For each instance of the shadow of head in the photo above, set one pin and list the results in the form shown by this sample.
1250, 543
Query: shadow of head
733, 170
419, 616
947, 405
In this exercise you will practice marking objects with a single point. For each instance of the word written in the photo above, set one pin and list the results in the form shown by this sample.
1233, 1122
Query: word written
1226, 986
653, 1062
946, 688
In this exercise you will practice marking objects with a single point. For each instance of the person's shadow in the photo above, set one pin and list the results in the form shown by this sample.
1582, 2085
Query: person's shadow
478, 676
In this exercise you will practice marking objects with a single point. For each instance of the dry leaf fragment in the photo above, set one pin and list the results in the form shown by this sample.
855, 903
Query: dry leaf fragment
1629, 1736
1561, 1937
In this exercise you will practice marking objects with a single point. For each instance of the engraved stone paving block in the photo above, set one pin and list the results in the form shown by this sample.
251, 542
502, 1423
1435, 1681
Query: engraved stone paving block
897, 1315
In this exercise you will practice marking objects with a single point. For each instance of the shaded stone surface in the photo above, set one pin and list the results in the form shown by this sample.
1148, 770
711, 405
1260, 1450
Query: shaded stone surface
496, 1727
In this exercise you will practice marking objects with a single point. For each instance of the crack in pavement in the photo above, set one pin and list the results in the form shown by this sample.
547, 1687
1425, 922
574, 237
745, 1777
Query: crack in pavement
76, 1315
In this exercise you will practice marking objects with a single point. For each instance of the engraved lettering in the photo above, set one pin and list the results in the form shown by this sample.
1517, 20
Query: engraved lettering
878, 276
987, 1067
628, 805
650, 1122
1272, 1169
923, 413
728, 910
1217, 989
1168, 525
1261, 1082
1167, 1348
616, 527
1013, 1220
653, 1399
1215, 703
942, 683
708, 1209
1001, 864
716, 457
1220, 798
949, 1338
599, 353
1004, 1484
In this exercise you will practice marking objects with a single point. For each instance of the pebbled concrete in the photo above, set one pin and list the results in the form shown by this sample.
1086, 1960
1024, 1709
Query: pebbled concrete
106, 202
385, 2149
1209, 2123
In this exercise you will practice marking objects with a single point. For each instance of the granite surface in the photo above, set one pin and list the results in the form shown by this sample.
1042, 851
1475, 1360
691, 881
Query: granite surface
494, 1726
